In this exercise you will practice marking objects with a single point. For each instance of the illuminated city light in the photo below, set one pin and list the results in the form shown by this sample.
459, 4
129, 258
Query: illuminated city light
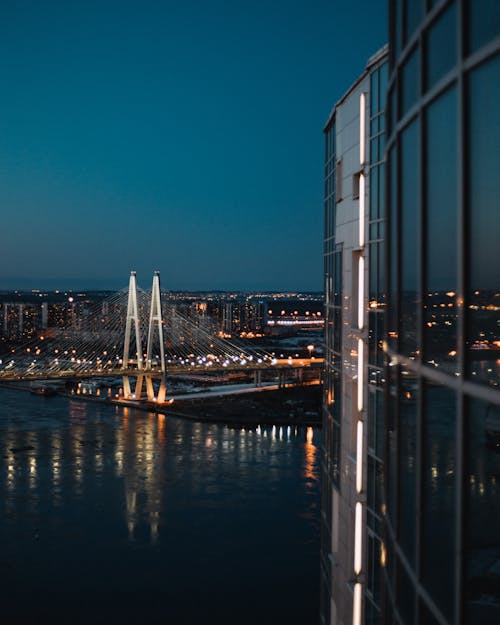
357, 601
362, 129
361, 291
358, 538
359, 457
360, 375
361, 210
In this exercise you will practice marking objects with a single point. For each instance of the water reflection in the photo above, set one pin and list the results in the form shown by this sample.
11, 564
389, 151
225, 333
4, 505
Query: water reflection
146, 498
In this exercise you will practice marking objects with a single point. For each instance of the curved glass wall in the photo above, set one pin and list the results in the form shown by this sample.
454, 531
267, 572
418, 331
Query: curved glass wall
441, 554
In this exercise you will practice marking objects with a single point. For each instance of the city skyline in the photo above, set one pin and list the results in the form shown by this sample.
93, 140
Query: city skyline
128, 138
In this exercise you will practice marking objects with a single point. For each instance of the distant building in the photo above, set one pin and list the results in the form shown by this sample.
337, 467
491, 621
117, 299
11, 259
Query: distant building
441, 557
289, 316
354, 304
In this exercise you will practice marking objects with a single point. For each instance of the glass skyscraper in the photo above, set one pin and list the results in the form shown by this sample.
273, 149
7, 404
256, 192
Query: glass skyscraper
354, 376
441, 550
411, 458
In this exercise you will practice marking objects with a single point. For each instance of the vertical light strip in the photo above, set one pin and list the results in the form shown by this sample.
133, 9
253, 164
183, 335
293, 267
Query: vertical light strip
360, 374
361, 210
358, 538
359, 457
361, 291
362, 112
356, 608
358, 522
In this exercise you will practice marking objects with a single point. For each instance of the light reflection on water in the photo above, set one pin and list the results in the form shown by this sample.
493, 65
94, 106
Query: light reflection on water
101, 498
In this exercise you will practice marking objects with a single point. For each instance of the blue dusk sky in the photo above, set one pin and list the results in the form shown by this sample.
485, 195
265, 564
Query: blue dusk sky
181, 136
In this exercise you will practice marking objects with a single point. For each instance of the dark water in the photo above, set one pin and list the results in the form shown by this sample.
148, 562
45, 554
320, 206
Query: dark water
119, 516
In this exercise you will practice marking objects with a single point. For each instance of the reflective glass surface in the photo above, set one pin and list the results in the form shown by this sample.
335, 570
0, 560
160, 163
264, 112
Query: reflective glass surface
408, 402
410, 82
438, 495
381, 191
441, 58
374, 93
393, 249
374, 192
483, 22
414, 10
484, 223
405, 594
441, 232
482, 514
410, 192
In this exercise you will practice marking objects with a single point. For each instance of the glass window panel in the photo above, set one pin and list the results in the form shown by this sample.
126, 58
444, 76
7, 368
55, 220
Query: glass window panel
379, 442
394, 229
441, 232
374, 126
393, 112
374, 150
337, 329
484, 222
381, 226
438, 495
372, 417
426, 617
381, 187
382, 122
410, 82
371, 483
381, 146
374, 192
410, 188
441, 58
482, 543
408, 401
374, 93
413, 14
383, 79
483, 23
373, 271
405, 595
398, 27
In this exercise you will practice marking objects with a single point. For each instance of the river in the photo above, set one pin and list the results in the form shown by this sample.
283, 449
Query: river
116, 516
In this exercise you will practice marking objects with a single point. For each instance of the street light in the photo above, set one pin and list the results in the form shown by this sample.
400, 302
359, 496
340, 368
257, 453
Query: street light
311, 349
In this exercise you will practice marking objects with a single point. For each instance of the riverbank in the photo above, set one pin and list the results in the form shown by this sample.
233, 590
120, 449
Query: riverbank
293, 405
298, 405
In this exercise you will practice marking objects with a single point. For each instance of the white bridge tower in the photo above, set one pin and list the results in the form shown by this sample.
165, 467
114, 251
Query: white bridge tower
144, 369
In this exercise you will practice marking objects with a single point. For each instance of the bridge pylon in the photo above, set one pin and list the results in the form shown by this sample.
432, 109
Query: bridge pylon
156, 323
132, 322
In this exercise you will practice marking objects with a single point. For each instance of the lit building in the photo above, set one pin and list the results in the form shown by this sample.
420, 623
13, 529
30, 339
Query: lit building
442, 464
353, 400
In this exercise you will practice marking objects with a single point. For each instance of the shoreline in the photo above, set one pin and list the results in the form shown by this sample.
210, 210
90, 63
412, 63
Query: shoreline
303, 404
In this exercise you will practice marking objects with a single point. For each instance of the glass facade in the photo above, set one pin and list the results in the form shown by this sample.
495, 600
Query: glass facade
441, 501
376, 309
353, 409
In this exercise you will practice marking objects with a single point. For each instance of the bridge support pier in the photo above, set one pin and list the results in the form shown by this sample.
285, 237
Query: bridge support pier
128, 393
257, 378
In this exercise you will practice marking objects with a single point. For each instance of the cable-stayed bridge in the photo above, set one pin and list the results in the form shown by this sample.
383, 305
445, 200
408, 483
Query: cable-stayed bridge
134, 336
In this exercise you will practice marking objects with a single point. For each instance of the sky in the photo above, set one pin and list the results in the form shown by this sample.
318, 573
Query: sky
183, 136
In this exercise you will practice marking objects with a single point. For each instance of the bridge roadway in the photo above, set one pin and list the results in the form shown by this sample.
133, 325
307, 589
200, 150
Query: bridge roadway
156, 373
